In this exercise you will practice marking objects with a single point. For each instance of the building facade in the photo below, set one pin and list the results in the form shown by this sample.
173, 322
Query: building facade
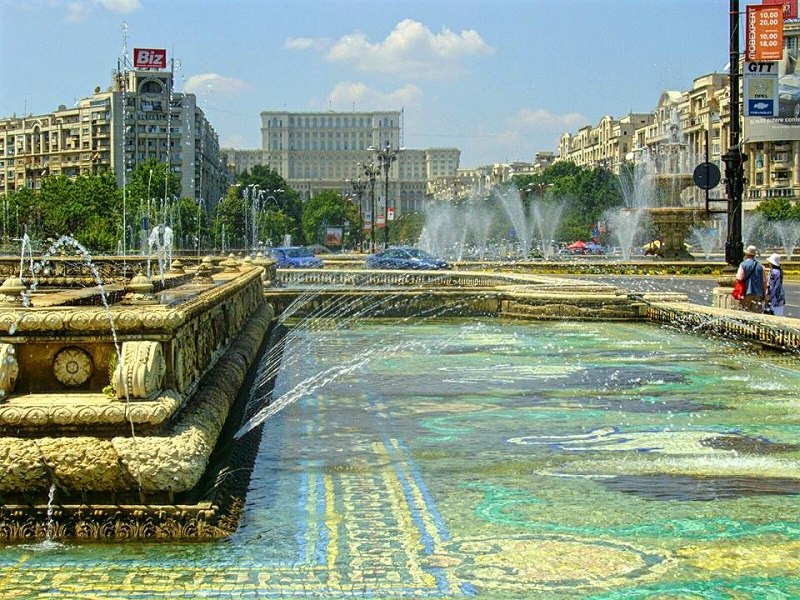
772, 168
138, 118
316, 151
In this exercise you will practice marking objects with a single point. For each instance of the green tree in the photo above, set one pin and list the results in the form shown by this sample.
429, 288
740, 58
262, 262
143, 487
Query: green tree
327, 209
407, 228
779, 209
88, 208
148, 191
275, 192
190, 224
228, 221
22, 212
585, 193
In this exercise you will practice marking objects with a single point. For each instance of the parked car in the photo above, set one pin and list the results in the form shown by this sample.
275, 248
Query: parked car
404, 257
296, 257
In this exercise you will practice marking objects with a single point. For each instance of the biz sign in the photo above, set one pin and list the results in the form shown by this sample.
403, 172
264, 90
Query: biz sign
149, 58
764, 38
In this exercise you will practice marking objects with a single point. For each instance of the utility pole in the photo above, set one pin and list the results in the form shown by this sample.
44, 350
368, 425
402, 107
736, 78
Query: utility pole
734, 158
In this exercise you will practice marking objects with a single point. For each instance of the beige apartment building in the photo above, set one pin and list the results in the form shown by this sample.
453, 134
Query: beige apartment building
315, 151
702, 114
139, 117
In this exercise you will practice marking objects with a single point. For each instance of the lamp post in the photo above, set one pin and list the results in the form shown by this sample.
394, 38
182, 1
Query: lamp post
371, 171
386, 157
270, 195
358, 185
733, 158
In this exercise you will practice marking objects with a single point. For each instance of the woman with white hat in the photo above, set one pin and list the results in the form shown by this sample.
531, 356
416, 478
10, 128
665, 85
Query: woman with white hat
776, 299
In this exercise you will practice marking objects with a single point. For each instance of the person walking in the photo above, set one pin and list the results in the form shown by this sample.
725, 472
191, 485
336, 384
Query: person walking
776, 298
751, 272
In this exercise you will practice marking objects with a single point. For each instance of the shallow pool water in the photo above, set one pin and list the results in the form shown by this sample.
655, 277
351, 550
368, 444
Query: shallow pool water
498, 460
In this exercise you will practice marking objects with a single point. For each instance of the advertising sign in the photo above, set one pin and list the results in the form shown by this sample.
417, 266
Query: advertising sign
784, 125
150, 58
760, 89
789, 7
333, 236
764, 33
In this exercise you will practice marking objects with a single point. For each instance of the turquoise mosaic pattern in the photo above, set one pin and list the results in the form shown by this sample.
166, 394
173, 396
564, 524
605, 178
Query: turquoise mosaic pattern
494, 460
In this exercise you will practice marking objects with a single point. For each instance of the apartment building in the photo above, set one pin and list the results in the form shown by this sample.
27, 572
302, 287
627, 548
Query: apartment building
606, 144
702, 114
139, 117
315, 151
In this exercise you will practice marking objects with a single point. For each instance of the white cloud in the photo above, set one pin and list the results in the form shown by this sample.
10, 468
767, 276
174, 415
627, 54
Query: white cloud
411, 49
120, 6
540, 118
208, 84
81, 10
234, 140
304, 43
77, 12
347, 95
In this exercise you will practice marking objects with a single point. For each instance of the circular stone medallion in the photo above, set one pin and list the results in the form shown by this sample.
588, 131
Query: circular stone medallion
72, 366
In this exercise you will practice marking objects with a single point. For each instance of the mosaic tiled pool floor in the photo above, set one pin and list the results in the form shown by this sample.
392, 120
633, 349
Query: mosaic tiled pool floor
493, 460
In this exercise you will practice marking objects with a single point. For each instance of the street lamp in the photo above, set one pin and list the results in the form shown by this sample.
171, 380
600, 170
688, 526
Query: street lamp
271, 196
371, 171
358, 185
386, 157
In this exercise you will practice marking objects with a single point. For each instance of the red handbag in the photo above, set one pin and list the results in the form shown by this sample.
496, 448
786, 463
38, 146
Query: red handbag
738, 289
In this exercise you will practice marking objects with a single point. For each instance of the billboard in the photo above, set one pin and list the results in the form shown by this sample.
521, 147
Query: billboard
333, 236
764, 33
785, 124
760, 89
150, 58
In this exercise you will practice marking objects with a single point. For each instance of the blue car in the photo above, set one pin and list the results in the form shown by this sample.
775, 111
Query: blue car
296, 257
405, 257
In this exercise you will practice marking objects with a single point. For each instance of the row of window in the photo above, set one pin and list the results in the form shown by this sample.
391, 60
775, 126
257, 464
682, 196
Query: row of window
332, 122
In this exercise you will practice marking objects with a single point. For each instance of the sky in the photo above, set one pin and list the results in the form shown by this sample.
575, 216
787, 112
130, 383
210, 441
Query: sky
498, 79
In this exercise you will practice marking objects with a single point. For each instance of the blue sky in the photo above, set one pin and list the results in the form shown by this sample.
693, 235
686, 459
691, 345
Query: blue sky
499, 79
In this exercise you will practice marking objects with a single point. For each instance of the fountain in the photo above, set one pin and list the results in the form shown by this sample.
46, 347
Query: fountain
789, 233
127, 366
398, 434
458, 232
554, 459
653, 188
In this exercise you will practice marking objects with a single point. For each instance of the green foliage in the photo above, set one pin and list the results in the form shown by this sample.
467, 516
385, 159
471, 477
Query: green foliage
329, 209
587, 194
407, 228
276, 193
277, 212
145, 190
228, 222
87, 208
779, 209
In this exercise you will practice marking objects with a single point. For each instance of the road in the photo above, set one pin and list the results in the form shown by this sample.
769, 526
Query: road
698, 289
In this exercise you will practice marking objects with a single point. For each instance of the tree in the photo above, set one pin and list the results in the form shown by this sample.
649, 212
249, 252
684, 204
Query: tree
585, 193
779, 209
148, 191
87, 208
228, 221
327, 209
407, 228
